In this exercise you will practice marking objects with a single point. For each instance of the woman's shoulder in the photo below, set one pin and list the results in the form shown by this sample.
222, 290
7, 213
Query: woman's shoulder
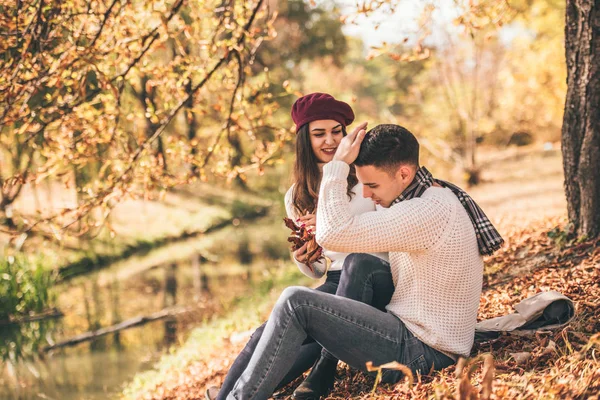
290, 192
289, 202
357, 188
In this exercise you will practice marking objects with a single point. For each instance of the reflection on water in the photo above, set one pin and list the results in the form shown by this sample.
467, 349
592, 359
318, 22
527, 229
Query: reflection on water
97, 369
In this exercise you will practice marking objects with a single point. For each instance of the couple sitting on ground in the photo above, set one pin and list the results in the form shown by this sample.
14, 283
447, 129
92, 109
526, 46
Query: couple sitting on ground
419, 308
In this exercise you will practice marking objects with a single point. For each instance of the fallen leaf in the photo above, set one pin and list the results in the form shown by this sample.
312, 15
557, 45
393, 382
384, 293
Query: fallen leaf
521, 358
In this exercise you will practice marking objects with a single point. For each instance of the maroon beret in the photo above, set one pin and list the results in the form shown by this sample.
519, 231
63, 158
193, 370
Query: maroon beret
318, 106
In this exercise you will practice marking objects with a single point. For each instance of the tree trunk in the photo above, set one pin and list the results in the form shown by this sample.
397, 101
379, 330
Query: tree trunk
192, 124
148, 98
581, 122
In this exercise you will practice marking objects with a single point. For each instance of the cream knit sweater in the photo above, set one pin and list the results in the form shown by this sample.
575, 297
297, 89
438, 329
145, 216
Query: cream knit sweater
435, 262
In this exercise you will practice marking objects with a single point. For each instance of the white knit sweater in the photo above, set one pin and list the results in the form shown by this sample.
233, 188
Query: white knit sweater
357, 205
436, 265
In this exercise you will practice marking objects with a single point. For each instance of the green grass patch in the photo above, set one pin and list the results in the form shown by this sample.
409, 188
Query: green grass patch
24, 287
24, 291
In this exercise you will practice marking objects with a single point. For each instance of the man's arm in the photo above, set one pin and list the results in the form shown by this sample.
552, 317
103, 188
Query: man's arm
409, 226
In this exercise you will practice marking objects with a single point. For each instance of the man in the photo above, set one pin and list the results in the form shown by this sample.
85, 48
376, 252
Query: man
435, 237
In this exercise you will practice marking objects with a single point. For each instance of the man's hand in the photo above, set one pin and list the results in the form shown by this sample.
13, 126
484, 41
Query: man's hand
349, 146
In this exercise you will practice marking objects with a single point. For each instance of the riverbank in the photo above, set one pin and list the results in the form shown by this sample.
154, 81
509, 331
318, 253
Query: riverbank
171, 276
165, 253
137, 226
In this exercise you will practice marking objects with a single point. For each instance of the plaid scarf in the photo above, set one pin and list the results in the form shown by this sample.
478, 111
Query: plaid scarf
488, 238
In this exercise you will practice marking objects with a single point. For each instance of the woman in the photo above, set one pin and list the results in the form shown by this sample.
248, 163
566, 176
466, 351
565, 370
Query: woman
321, 123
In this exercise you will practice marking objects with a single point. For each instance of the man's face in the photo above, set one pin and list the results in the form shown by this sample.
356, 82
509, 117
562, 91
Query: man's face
382, 186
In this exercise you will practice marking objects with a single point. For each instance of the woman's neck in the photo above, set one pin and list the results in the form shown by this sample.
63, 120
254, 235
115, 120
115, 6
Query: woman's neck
320, 165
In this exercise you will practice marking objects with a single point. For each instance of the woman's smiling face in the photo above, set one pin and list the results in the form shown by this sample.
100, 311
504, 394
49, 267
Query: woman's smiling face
325, 135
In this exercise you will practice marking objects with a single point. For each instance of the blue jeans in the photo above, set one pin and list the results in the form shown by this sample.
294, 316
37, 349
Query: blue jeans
364, 277
367, 279
306, 355
348, 329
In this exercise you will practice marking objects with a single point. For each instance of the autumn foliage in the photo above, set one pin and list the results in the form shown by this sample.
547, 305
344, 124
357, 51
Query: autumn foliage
110, 96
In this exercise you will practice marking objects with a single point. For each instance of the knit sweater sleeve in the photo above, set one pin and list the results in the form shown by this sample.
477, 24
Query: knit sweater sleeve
290, 211
409, 226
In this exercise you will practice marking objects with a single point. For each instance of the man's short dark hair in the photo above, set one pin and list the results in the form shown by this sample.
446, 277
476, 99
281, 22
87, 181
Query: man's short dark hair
388, 146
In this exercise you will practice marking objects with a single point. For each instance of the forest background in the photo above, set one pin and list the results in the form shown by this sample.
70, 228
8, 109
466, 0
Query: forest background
127, 125
99, 107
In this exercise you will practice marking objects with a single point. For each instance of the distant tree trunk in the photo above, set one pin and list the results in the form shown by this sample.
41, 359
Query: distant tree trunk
170, 300
148, 99
581, 121
192, 125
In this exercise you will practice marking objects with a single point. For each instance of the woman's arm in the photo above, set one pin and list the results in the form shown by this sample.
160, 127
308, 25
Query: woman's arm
317, 266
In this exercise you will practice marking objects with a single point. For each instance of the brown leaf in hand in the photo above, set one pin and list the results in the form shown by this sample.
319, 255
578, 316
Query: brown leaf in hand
291, 225
300, 235
296, 242
313, 248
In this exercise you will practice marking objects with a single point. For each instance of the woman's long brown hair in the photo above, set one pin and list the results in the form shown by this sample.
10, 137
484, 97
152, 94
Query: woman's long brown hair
307, 176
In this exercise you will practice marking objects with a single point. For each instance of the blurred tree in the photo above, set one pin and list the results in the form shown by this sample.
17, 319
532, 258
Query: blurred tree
79, 79
580, 128
581, 124
463, 84
305, 35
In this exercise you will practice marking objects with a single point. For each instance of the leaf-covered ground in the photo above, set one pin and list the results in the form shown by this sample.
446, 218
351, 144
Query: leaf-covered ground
524, 196
563, 364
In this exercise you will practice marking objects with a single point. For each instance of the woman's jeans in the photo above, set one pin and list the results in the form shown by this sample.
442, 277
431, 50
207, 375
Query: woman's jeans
348, 329
306, 355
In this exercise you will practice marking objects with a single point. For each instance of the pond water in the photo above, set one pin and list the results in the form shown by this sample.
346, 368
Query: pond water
99, 368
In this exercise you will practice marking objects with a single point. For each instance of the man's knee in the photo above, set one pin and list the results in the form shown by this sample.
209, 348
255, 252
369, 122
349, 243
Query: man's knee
293, 294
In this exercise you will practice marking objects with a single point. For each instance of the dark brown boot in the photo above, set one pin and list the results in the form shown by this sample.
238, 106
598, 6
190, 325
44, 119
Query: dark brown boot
319, 381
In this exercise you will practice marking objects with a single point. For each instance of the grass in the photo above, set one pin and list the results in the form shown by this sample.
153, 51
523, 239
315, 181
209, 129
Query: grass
25, 290
244, 313
24, 287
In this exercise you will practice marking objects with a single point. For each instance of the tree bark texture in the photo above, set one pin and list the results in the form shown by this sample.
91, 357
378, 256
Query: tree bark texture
581, 121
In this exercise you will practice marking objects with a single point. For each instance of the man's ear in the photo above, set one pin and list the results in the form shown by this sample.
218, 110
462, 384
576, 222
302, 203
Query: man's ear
405, 173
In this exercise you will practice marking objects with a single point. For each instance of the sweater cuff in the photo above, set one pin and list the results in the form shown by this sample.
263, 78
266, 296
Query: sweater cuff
336, 170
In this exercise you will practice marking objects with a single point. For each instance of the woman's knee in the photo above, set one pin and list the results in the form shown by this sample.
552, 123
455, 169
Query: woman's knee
361, 264
255, 338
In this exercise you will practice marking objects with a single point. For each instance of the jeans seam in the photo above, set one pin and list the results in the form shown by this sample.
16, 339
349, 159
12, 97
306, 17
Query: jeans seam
347, 320
272, 358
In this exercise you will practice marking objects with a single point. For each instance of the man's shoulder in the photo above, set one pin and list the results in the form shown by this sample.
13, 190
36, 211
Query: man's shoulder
436, 202
440, 194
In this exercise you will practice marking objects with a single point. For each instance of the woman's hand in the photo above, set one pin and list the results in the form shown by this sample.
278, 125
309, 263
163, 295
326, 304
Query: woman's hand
309, 221
301, 255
